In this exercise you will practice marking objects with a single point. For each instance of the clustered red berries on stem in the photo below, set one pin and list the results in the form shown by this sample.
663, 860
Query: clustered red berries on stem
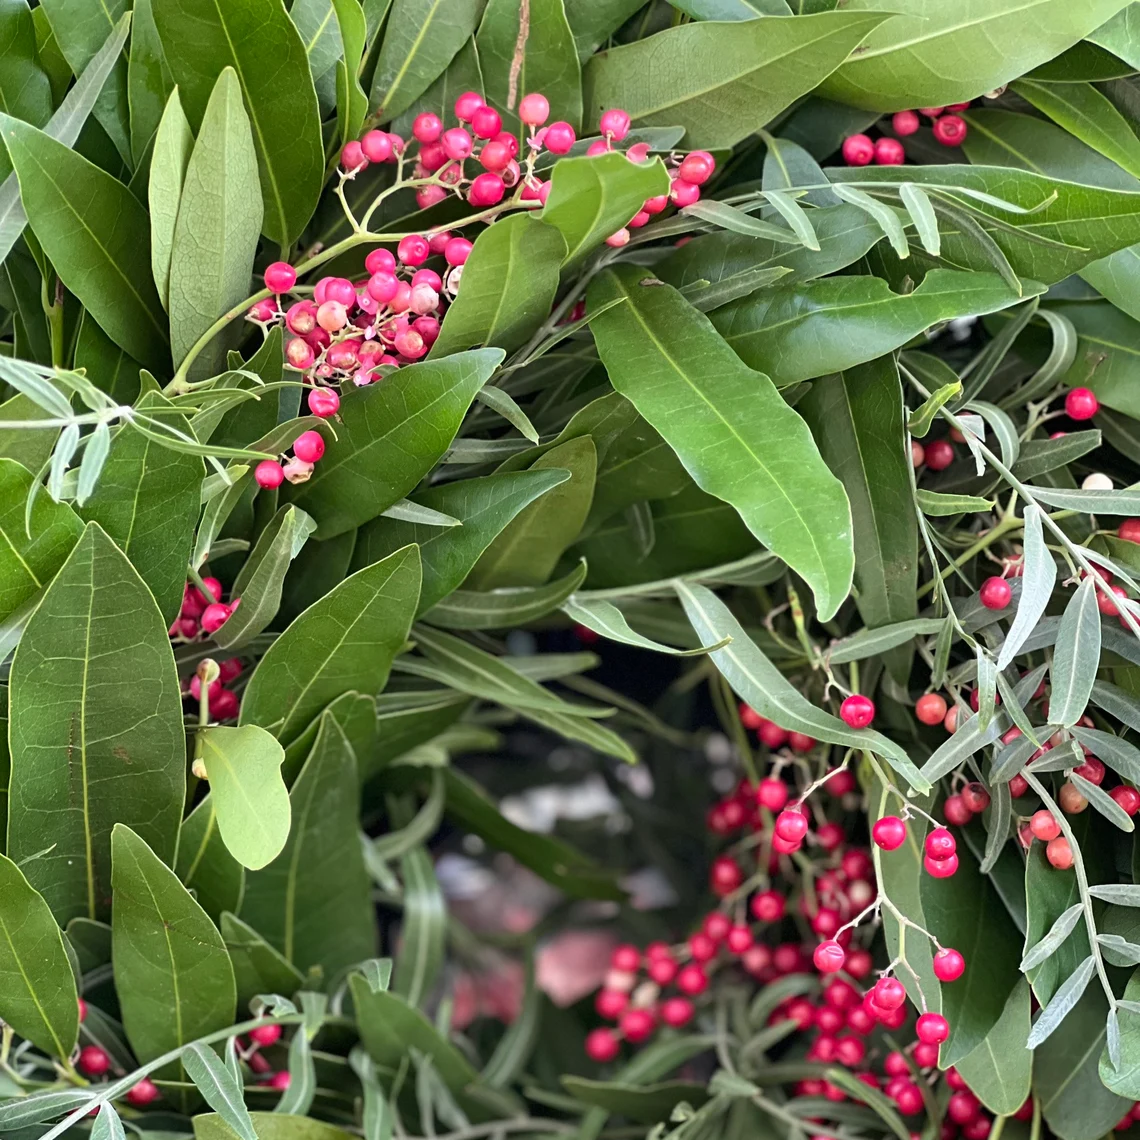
948, 129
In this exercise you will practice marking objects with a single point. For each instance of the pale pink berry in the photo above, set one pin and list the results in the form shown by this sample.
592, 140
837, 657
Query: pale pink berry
264, 310
413, 250
486, 123
615, 123
299, 354
428, 328
486, 190
598, 146
618, 239
428, 196
467, 104
424, 299
534, 109
309, 446
342, 356
639, 152
905, 122
559, 138
376, 146
403, 298
427, 127
298, 470
280, 277
301, 318
639, 219
656, 205
340, 289
457, 251
352, 156
457, 143
410, 344
332, 316
268, 473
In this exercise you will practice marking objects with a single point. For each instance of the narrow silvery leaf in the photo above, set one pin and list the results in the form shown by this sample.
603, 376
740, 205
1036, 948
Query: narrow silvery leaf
1003, 427
1103, 802
1051, 943
881, 212
1118, 703
61, 460
1123, 894
499, 401
233, 1061
217, 1085
869, 642
1016, 712
1112, 1037
606, 619
407, 511
1010, 759
987, 688
1120, 947
974, 429
39, 1107
1063, 1001
1037, 580
796, 217
35, 383
997, 824
730, 218
107, 1125
942, 647
917, 204
1076, 656
298, 1097
1123, 502
94, 456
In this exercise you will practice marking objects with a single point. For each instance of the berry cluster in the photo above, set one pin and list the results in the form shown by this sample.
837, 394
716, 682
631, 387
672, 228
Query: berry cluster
948, 129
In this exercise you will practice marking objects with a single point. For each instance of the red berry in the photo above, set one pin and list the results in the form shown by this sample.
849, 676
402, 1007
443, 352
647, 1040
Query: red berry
692, 980
800, 742
940, 868
352, 156
962, 1106
904, 122
932, 1028
930, 708
948, 965
662, 970
82, 1011
739, 939
978, 1128
857, 711
888, 994
682, 193
950, 130
280, 277
939, 454
214, 616
324, 402
559, 138
495, 156
637, 1025
93, 1061
413, 250
768, 906
144, 1093
486, 123
772, 793
1129, 530
601, 1045
716, 925
931, 112
467, 104
956, 811
858, 150
829, 957
697, 167
1044, 826
380, 261
895, 1064
676, 1011
377, 146
1092, 770
726, 875
940, 844
889, 833
269, 473
309, 446
889, 152
486, 190
772, 735
626, 958
749, 717
534, 109
1128, 798
995, 593
975, 797
1018, 786
1059, 853
702, 947
611, 1004
279, 1081
1081, 404
925, 1056
791, 826
908, 1097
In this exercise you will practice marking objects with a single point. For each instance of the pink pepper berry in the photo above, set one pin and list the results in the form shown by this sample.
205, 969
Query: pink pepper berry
829, 957
93, 1061
655, 205
332, 316
399, 303
428, 196
534, 109
888, 993
857, 711
309, 446
889, 152
457, 251
602, 1045
858, 150
437, 243
413, 250
467, 104
639, 152
340, 289
486, 123
280, 277
352, 156
495, 157
791, 826
427, 277
638, 220
268, 473
995, 593
215, 616
410, 344
677, 1012
299, 354
950, 130
280, 1080
424, 299
264, 310
940, 844
428, 328
889, 833
682, 193
697, 167
265, 1035
614, 123
301, 318
323, 402
559, 138
486, 190
932, 1028
427, 127
949, 965
619, 238
380, 261
376, 146
382, 287
144, 1093
456, 144
904, 122
1081, 404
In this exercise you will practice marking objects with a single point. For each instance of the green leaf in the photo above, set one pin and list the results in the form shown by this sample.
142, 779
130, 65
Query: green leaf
421, 37
1046, 947
243, 766
548, 857
25, 90
1068, 994
646, 1104
414, 723
483, 506
591, 198
540, 57
904, 63
259, 41
107, 366
528, 548
149, 83
345, 641
507, 288
173, 144
857, 421
966, 912
148, 502
423, 931
938, 505
320, 33
390, 437
270, 1126
258, 967
759, 682
172, 972
107, 1126
1075, 657
223, 1093
504, 608
730, 218
999, 1070
205, 866
37, 988
34, 549
218, 224
608, 621
729, 427
76, 725
1039, 575
1084, 112
1125, 1076
313, 901
819, 327
462, 74
351, 102
871, 642
30, 447
260, 580
723, 81
638, 466
93, 230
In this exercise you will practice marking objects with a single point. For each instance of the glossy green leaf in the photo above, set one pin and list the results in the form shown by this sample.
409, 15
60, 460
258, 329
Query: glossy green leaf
541, 58
218, 224
30, 555
147, 500
504, 608
419, 718
591, 198
107, 366
813, 329
607, 620
758, 681
937, 505
248, 795
857, 421
201, 39
260, 580
320, 33
999, 1070
421, 37
729, 427
313, 901
1075, 657
351, 102
25, 90
222, 1092
258, 967
37, 988
637, 466
507, 288
528, 548
390, 436
204, 864
931, 54
29, 447
149, 83
1125, 1076
269, 1126
723, 81
94, 232
172, 972
462, 74
345, 641
173, 144
76, 726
